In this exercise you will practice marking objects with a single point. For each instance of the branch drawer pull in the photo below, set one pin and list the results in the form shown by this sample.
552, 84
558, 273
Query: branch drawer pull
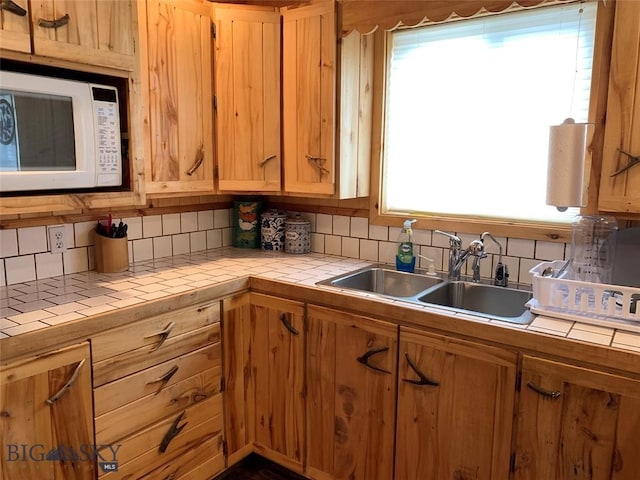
13, 7
173, 431
633, 161
54, 398
58, 22
163, 334
552, 394
198, 162
164, 379
364, 359
284, 318
424, 380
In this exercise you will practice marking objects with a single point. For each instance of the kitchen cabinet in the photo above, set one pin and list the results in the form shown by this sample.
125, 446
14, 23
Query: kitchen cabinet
351, 395
238, 377
455, 408
621, 193
178, 87
576, 423
248, 91
14, 27
97, 32
47, 417
277, 344
264, 378
309, 98
157, 391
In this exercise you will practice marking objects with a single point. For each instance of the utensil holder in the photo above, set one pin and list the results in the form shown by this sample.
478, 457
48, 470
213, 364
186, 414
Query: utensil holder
111, 254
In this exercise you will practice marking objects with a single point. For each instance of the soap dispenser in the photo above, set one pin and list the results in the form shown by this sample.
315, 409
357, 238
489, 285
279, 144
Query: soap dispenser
405, 258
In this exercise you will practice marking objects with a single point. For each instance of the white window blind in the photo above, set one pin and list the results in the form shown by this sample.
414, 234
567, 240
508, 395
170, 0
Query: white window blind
469, 105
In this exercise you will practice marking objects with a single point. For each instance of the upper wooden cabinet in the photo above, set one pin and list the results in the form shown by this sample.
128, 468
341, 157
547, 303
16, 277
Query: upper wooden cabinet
14, 27
455, 408
177, 73
47, 412
621, 193
97, 32
248, 88
309, 98
576, 423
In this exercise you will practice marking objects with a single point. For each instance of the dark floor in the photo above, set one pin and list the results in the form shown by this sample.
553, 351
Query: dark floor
255, 467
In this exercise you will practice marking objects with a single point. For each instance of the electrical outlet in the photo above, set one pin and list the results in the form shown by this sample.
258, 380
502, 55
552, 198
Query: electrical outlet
57, 240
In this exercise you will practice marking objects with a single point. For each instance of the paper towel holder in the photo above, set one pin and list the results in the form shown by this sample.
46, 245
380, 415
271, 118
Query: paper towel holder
567, 175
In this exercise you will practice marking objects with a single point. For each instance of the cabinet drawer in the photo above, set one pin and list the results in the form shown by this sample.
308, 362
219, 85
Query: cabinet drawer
132, 361
140, 454
152, 333
154, 379
145, 411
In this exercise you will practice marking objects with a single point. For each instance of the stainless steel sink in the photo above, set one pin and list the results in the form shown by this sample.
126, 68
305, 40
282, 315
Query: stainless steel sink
384, 281
489, 301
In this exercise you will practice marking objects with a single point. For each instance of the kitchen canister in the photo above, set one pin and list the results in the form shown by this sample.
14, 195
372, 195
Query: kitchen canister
272, 230
246, 228
297, 235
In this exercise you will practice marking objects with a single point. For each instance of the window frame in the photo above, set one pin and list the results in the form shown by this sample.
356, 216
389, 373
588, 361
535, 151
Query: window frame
548, 231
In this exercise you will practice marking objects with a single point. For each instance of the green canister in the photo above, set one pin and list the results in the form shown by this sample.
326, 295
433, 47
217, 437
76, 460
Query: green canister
246, 223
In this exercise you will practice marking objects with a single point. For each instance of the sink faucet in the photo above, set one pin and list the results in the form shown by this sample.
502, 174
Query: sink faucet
501, 275
458, 256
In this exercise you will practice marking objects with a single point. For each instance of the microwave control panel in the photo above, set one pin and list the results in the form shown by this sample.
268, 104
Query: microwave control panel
107, 120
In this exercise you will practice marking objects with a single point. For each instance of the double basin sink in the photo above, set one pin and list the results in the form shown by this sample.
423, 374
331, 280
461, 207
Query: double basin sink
488, 301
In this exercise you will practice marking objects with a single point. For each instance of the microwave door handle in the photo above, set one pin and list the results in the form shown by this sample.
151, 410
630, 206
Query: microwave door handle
13, 7
58, 22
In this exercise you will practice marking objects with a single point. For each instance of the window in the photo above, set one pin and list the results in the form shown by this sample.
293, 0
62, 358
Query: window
468, 109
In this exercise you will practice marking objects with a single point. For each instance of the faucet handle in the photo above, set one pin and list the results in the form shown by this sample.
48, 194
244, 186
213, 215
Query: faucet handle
454, 240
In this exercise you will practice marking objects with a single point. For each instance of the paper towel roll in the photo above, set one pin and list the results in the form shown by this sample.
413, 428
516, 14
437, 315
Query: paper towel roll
565, 174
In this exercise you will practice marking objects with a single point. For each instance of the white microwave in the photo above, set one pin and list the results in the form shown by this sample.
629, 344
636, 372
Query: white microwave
57, 134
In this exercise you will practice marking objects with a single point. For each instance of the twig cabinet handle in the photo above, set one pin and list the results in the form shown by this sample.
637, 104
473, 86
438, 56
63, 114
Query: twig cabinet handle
364, 359
284, 318
164, 379
266, 160
552, 394
198, 162
58, 22
163, 334
318, 162
424, 380
173, 431
13, 7
54, 398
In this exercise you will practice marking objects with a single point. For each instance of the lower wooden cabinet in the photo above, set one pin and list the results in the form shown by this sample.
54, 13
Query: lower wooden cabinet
46, 420
576, 423
157, 391
351, 395
455, 408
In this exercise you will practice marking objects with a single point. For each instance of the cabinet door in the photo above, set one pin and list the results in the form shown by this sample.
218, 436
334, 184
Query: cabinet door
14, 27
248, 93
575, 423
455, 408
238, 384
47, 414
277, 351
178, 72
351, 402
99, 32
309, 57
621, 193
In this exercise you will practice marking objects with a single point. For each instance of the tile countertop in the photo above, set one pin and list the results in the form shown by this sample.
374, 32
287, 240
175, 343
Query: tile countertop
36, 305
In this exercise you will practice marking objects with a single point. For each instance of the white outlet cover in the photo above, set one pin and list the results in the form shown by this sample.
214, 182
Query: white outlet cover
57, 239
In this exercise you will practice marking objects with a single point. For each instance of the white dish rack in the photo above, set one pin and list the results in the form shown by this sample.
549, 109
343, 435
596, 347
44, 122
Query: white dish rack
596, 303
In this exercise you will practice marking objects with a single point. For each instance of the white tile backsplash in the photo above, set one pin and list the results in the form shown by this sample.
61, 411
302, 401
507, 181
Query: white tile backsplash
160, 236
32, 240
